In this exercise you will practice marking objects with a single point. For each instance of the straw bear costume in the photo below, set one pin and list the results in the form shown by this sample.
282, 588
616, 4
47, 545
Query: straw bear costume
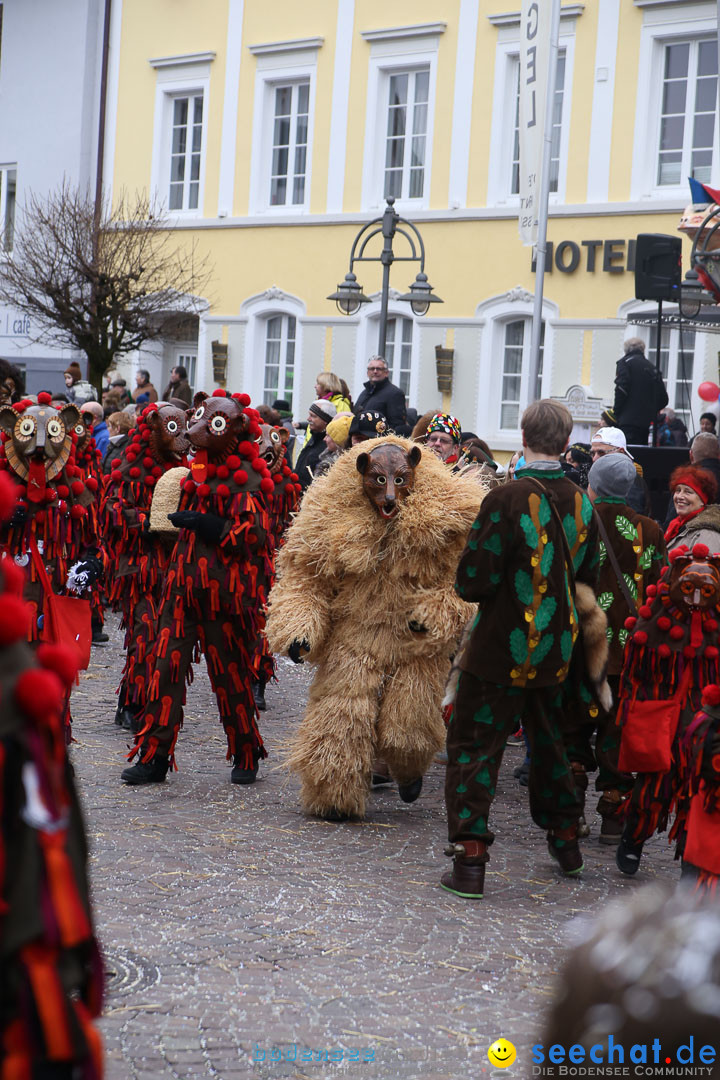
369, 589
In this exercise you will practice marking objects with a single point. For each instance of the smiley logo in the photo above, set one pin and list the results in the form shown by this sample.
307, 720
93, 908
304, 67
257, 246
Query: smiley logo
501, 1054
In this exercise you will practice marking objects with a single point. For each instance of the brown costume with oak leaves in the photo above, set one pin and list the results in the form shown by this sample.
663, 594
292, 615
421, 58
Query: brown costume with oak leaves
365, 579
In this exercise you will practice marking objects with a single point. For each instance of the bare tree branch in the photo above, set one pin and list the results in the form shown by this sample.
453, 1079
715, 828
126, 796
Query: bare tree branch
103, 292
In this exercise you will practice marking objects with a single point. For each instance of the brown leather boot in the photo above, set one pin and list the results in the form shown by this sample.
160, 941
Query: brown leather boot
565, 850
467, 877
610, 806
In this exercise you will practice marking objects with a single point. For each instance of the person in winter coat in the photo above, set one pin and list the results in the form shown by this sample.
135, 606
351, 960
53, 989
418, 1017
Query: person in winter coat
383, 397
697, 522
320, 414
77, 389
178, 387
640, 393
144, 392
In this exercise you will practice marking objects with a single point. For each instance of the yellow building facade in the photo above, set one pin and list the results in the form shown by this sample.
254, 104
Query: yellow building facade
273, 132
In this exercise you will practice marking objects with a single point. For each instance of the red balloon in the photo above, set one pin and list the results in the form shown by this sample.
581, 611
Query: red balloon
709, 391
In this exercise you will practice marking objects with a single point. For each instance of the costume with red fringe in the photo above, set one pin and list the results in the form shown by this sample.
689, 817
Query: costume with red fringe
215, 593
140, 558
671, 655
52, 979
89, 461
53, 509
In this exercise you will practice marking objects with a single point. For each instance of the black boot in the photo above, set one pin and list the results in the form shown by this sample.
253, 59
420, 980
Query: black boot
409, 792
628, 854
147, 772
242, 775
129, 719
259, 693
467, 877
119, 713
565, 850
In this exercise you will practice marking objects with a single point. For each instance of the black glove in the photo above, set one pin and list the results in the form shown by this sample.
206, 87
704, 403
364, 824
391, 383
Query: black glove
416, 627
84, 574
209, 527
299, 645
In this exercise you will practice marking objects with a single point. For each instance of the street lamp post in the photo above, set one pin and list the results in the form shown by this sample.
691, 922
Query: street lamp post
349, 295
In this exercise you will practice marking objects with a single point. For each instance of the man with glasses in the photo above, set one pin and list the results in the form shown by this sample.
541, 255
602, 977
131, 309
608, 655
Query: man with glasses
611, 440
380, 395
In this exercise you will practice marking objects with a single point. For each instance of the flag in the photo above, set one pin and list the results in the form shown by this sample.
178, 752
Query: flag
534, 65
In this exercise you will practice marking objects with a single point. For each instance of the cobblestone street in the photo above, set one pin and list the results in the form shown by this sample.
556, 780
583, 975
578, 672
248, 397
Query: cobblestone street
233, 926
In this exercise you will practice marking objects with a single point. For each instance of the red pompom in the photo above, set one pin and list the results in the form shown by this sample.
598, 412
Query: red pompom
63, 491
223, 490
157, 471
664, 623
21, 406
219, 393
712, 652
44, 398
149, 481
115, 462
61, 660
39, 693
135, 472
131, 457
290, 488
677, 633
145, 434
62, 506
77, 487
640, 637
8, 496
700, 551
14, 619
148, 462
267, 485
298, 488
244, 400
189, 486
115, 476
254, 430
40, 517
223, 472
677, 552
233, 462
14, 577
91, 484
663, 587
645, 611
651, 590
664, 651
78, 512
247, 449
240, 477
711, 695
689, 652
203, 490
277, 478
50, 495
630, 622
710, 626
258, 465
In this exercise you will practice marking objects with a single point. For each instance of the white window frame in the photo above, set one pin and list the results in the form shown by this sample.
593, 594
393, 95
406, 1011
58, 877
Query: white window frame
507, 57
280, 391
663, 26
5, 172
367, 344
178, 77
393, 56
495, 314
186, 355
283, 67
258, 309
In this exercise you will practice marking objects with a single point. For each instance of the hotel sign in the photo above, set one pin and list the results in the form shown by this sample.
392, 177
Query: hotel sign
607, 256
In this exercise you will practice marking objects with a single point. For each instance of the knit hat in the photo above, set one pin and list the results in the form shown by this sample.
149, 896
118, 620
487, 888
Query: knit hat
368, 424
446, 423
613, 437
73, 369
612, 476
324, 409
339, 429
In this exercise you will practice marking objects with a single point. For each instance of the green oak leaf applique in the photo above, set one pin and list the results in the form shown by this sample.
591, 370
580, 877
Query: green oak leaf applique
484, 715
547, 558
545, 612
542, 649
647, 557
566, 645
523, 587
626, 528
495, 517
632, 586
605, 600
544, 511
623, 636
493, 544
531, 536
609, 634
570, 529
602, 553
586, 510
518, 646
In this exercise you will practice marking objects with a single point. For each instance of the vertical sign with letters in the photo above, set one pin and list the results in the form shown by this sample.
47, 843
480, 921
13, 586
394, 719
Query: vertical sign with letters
534, 63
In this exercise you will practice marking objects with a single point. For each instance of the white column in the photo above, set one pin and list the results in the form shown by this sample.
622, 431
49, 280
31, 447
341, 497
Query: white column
111, 103
462, 104
228, 146
339, 118
603, 100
